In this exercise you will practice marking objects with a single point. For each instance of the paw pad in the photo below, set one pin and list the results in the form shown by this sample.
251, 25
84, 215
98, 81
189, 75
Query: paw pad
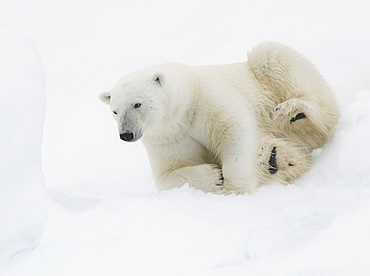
273, 168
299, 116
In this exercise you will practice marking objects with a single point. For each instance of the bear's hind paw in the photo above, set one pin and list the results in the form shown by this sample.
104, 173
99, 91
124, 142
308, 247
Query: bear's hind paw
297, 117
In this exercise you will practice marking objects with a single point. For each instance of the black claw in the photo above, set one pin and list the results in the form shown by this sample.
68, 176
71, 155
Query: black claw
298, 117
272, 162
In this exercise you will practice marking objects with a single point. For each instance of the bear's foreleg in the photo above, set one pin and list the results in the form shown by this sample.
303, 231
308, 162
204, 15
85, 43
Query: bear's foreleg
238, 168
239, 179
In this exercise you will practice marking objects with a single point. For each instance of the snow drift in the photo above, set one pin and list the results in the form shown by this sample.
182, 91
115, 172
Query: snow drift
22, 109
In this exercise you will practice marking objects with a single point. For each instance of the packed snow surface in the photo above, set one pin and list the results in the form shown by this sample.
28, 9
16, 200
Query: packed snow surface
95, 211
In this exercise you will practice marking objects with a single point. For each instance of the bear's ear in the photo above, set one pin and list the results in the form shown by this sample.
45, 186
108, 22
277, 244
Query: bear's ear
158, 78
105, 97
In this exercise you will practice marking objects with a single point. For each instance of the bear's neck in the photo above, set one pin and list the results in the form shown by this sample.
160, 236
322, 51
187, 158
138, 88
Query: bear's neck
177, 123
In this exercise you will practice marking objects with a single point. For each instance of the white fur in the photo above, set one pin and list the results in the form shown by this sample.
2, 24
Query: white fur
214, 127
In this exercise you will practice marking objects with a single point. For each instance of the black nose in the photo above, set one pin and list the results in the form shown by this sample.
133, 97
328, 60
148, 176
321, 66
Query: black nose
127, 136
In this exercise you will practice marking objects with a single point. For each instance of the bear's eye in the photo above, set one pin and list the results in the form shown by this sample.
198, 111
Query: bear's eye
115, 112
137, 105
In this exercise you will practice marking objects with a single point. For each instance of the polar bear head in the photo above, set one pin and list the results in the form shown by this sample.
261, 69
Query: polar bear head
146, 99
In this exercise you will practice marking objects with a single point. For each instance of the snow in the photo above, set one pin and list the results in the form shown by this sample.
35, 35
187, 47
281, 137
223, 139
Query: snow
98, 212
22, 109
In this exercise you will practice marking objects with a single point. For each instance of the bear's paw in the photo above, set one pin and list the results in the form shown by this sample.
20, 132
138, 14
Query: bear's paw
208, 178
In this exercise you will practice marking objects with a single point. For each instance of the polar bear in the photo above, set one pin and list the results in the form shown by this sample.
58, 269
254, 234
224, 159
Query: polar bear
227, 128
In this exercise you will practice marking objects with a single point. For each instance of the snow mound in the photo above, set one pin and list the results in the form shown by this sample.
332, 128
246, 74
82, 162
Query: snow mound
22, 109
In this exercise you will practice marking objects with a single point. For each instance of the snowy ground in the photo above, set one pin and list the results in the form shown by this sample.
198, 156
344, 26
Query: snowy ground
102, 214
